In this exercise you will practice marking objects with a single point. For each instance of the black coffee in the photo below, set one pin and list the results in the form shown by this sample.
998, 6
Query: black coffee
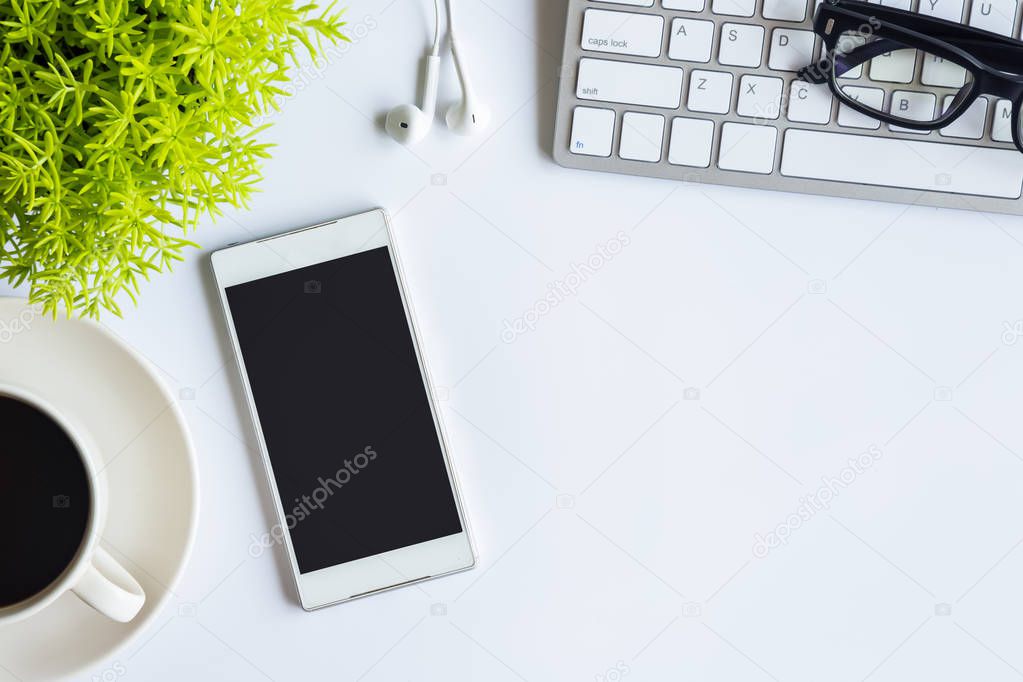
44, 501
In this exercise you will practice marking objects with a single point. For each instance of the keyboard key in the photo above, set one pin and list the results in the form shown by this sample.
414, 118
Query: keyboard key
791, 50
785, 10
710, 91
950, 10
998, 16
626, 83
914, 106
853, 74
736, 8
759, 97
634, 3
938, 71
897, 66
849, 117
897, 4
910, 164
622, 33
970, 125
691, 142
741, 45
592, 131
748, 148
691, 40
642, 135
847, 43
1001, 125
686, 5
809, 103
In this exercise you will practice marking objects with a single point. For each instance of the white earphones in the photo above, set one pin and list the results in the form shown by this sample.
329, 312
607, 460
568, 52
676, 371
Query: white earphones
408, 124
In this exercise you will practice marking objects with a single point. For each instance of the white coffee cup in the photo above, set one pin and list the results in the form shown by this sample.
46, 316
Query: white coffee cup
93, 575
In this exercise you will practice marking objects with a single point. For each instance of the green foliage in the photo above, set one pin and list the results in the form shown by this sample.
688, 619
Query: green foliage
123, 122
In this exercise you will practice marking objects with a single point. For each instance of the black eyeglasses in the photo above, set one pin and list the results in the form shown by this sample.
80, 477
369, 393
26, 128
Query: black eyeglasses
959, 63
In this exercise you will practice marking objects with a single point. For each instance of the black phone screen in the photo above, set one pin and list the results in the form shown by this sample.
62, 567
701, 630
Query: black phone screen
343, 408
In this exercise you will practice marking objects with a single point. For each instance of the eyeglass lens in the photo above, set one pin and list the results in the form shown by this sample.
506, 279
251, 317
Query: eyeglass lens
889, 77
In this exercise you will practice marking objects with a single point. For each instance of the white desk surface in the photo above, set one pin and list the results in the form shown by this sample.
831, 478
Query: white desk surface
619, 460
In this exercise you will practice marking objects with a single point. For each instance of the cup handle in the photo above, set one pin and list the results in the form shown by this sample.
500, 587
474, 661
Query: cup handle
109, 588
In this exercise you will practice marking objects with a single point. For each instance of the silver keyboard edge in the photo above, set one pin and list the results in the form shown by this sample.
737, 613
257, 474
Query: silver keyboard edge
567, 102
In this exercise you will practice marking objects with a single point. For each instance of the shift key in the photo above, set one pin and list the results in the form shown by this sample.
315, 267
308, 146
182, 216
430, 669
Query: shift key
627, 83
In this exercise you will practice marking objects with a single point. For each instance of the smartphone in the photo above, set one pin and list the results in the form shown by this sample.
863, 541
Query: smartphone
344, 414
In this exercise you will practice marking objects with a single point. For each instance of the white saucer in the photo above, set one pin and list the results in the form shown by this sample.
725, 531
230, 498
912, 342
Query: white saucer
108, 390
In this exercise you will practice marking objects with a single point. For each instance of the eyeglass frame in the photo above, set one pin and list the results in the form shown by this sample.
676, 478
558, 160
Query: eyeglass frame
969, 48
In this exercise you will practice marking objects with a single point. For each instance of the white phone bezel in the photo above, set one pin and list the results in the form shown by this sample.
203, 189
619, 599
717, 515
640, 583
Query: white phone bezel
335, 239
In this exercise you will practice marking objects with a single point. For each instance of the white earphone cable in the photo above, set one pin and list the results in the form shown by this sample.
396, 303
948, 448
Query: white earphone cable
454, 42
436, 27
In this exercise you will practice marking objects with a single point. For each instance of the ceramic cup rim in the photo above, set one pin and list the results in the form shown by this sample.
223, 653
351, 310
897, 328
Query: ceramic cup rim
81, 560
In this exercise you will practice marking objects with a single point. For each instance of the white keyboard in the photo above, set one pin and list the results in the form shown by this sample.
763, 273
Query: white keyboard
705, 91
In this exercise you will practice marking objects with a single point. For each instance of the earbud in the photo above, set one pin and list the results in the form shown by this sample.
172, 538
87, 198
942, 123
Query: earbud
469, 116
407, 123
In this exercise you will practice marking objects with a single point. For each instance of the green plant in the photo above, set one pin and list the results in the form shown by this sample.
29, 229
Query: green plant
123, 123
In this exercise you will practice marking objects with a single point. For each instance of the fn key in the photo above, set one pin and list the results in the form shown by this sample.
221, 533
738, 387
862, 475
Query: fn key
593, 131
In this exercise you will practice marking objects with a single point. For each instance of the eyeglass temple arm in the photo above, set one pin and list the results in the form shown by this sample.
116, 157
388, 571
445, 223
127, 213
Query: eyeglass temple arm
817, 72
